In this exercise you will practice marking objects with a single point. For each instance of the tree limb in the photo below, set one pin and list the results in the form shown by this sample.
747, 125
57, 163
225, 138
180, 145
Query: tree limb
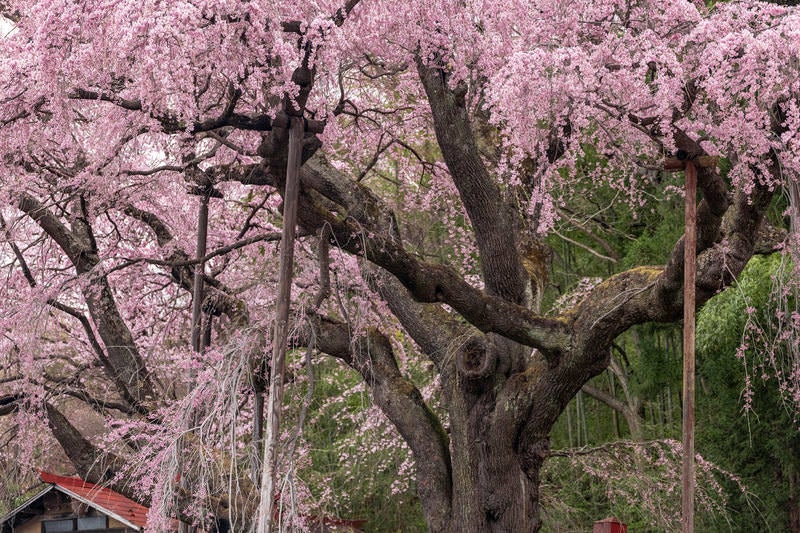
9, 403
91, 463
653, 294
219, 298
494, 223
372, 356
431, 327
127, 366
363, 225
261, 237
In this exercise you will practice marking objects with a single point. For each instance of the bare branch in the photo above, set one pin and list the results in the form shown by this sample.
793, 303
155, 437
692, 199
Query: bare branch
604, 397
100, 405
83, 94
9, 403
51, 225
162, 232
92, 464
220, 298
585, 247
171, 124
431, 327
262, 237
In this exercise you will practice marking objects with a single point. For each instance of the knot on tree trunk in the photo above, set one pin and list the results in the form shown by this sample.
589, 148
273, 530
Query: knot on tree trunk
533, 451
495, 505
476, 361
215, 304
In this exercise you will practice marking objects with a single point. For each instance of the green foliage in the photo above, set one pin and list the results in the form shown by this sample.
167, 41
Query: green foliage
761, 446
636, 236
653, 245
639, 482
760, 443
656, 349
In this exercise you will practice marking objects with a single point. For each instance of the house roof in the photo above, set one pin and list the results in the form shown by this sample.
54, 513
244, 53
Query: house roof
101, 498
117, 506
20, 508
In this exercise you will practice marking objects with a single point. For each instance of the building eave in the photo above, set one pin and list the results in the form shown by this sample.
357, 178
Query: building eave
27, 503
100, 508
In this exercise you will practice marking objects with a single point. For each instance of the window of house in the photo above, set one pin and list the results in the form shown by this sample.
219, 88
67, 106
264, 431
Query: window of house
55, 526
94, 524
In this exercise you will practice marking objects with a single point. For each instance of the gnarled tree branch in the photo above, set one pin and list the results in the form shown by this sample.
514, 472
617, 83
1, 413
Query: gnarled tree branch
494, 222
372, 356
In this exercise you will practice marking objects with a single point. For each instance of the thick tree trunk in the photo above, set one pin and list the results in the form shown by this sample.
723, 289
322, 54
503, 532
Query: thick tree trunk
495, 484
491, 492
495, 469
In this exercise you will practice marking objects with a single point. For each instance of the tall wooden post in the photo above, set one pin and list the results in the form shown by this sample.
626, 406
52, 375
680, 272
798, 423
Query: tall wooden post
269, 464
199, 270
689, 274
197, 301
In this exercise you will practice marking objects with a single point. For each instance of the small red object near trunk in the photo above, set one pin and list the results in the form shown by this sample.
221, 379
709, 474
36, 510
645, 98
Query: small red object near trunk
609, 525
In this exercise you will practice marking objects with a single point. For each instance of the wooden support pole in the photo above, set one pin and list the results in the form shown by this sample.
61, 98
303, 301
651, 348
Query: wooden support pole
689, 274
258, 429
199, 271
279, 339
197, 302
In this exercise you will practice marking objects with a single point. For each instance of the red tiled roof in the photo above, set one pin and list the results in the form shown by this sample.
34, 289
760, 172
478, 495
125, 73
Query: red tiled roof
103, 497
117, 504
